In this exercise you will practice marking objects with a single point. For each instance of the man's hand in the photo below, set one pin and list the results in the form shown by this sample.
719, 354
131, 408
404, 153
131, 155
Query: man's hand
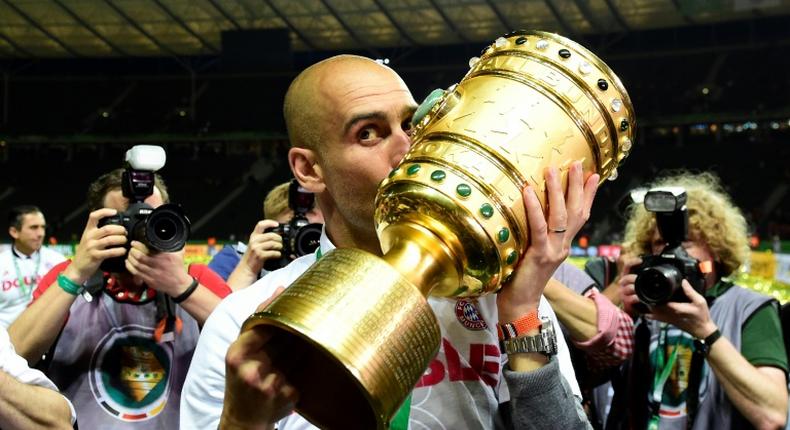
162, 271
261, 247
550, 238
692, 317
625, 282
96, 245
256, 394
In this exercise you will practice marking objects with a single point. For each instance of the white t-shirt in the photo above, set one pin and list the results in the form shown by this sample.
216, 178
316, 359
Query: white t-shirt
462, 388
14, 297
17, 368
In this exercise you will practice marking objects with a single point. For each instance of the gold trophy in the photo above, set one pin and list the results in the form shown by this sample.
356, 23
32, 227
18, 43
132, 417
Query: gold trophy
355, 332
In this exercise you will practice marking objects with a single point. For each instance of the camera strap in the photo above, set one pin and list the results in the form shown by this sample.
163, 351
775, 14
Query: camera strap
661, 374
169, 324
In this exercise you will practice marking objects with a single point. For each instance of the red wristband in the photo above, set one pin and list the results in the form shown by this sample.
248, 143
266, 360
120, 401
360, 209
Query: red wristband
519, 327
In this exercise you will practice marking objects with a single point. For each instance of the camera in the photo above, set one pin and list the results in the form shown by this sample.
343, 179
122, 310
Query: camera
659, 277
164, 229
300, 236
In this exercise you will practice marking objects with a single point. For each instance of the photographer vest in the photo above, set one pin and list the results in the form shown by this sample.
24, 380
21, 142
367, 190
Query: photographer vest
108, 364
730, 311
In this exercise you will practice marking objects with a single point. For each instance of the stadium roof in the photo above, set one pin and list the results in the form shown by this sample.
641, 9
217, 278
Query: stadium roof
120, 28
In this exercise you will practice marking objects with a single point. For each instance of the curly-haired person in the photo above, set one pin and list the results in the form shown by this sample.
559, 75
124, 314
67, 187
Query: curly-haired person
718, 360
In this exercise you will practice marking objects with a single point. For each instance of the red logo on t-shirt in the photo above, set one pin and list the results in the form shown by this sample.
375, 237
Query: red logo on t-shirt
482, 365
469, 316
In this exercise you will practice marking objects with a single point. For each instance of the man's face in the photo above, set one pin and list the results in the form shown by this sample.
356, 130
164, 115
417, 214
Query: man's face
368, 112
115, 200
30, 236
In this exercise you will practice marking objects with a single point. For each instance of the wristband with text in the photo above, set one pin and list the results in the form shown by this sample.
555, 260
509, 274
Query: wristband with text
519, 327
68, 285
188, 292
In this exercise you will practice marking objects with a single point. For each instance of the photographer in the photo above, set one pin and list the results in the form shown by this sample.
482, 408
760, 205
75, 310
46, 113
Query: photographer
709, 354
119, 343
242, 264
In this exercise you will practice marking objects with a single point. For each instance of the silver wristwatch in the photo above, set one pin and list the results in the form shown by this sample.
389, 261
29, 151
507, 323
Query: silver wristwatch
545, 342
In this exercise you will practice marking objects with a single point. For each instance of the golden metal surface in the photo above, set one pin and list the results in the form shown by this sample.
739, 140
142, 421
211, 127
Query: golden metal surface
532, 100
355, 333
354, 336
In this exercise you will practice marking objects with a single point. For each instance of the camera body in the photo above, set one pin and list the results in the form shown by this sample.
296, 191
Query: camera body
659, 276
300, 236
164, 229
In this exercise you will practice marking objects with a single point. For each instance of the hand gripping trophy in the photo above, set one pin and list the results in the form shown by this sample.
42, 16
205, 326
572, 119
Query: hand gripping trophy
451, 222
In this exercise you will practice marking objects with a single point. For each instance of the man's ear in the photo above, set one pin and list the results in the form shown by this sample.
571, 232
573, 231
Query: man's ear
306, 170
13, 232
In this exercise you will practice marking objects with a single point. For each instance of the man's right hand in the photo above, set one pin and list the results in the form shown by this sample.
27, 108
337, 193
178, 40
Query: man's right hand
262, 247
96, 245
256, 394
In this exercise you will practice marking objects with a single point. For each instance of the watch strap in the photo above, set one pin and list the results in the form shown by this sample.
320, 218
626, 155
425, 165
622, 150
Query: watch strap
519, 327
703, 346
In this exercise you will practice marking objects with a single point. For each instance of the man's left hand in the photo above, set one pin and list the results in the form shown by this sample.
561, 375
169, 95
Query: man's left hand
693, 317
550, 238
162, 271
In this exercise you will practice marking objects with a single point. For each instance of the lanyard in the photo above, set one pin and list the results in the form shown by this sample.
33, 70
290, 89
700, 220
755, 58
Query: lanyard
33, 280
661, 374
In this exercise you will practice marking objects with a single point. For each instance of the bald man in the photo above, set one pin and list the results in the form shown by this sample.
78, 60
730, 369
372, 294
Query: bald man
349, 121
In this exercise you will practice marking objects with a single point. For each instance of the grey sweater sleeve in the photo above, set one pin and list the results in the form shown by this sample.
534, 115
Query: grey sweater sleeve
542, 399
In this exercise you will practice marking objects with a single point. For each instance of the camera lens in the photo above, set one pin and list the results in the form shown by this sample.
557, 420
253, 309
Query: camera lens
167, 229
655, 285
164, 229
307, 239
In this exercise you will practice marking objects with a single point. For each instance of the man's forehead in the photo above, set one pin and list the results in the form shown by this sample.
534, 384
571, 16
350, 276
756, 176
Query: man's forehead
33, 218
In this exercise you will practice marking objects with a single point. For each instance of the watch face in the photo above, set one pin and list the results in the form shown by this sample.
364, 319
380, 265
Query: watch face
700, 347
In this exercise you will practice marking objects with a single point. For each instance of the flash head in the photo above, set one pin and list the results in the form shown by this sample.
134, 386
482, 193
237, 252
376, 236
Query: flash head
146, 157
665, 199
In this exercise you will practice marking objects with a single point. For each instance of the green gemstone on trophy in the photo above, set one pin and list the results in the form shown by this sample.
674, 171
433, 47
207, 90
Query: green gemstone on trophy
413, 169
463, 190
438, 175
486, 210
511, 258
503, 235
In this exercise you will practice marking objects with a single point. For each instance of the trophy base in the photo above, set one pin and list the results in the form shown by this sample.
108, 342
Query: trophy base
353, 336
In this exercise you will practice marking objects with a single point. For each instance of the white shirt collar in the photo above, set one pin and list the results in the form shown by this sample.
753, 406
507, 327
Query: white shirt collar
21, 255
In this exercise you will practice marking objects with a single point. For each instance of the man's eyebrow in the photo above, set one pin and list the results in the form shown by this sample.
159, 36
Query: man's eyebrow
377, 115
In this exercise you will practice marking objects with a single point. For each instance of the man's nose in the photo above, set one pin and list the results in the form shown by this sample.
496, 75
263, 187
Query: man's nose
401, 142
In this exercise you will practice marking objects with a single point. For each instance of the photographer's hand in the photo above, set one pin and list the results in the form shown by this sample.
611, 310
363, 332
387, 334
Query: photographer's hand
96, 245
262, 246
626, 288
256, 394
692, 317
625, 263
166, 273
